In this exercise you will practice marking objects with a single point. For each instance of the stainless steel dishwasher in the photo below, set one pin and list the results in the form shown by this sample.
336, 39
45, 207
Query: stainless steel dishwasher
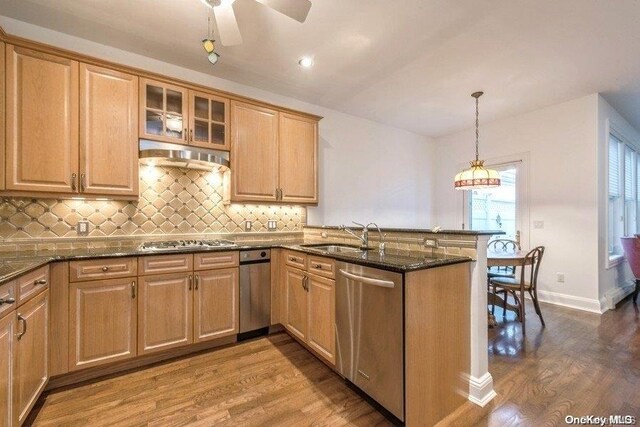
255, 292
369, 333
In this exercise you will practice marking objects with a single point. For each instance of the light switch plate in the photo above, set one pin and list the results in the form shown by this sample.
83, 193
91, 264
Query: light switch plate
247, 225
538, 224
82, 228
272, 225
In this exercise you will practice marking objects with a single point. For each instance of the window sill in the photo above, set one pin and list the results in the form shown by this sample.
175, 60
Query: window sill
614, 260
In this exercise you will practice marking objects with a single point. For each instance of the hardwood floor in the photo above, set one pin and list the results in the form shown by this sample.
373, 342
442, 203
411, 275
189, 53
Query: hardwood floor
580, 364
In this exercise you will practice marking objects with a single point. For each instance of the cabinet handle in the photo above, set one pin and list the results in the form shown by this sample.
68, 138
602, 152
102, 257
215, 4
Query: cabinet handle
305, 283
190, 282
74, 179
40, 282
24, 323
7, 300
185, 134
105, 268
191, 135
133, 290
281, 194
197, 281
83, 183
318, 266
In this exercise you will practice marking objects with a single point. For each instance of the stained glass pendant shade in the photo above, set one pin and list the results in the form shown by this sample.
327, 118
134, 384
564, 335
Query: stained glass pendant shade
477, 176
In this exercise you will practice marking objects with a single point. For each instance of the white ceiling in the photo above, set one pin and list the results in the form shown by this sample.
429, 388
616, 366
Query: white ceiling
409, 63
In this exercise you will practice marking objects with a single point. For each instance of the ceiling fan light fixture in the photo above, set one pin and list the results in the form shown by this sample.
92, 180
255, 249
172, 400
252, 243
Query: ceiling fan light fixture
217, 3
208, 45
306, 62
213, 57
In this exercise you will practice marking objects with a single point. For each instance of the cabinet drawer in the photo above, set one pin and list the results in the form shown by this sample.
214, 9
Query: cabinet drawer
32, 283
209, 260
8, 290
165, 264
98, 269
296, 259
324, 267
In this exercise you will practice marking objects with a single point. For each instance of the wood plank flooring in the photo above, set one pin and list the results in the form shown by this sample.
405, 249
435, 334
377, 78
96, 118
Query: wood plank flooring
580, 364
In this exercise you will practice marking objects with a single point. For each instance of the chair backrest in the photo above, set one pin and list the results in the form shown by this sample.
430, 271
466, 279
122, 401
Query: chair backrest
532, 260
631, 246
503, 245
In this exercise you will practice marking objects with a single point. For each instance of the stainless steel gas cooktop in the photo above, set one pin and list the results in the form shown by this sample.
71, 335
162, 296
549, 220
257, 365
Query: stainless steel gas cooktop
171, 245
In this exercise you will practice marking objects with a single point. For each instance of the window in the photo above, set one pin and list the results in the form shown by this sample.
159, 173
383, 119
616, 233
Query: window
623, 192
495, 208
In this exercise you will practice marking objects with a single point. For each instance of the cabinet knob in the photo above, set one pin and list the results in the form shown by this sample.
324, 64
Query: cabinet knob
40, 282
105, 268
318, 266
7, 300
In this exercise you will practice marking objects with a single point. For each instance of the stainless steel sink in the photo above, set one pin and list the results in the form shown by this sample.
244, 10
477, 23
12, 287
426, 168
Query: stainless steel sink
333, 248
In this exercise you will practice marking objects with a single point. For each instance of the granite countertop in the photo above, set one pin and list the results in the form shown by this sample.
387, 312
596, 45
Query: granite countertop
15, 264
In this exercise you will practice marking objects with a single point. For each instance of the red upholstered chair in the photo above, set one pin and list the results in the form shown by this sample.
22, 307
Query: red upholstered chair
631, 246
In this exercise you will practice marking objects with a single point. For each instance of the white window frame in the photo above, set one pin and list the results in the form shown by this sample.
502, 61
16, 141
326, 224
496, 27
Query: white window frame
613, 260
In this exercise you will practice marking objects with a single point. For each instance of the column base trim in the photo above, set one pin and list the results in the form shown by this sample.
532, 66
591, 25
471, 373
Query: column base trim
481, 390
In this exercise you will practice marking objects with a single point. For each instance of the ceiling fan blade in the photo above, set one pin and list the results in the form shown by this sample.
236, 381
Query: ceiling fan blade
227, 25
295, 9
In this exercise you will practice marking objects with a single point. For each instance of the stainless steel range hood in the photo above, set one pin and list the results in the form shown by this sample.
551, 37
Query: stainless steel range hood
182, 156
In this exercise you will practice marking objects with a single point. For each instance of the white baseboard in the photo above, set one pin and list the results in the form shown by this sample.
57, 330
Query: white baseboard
617, 294
570, 301
481, 389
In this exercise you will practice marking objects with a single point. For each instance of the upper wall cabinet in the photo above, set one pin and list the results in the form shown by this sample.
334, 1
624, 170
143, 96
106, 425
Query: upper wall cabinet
2, 115
254, 153
273, 155
297, 159
71, 127
42, 122
108, 132
176, 114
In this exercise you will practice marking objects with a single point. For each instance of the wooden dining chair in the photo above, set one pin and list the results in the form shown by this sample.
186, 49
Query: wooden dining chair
528, 282
501, 246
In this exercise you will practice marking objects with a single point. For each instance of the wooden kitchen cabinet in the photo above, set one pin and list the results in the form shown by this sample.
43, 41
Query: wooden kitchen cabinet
2, 115
163, 111
7, 367
216, 304
41, 122
208, 121
32, 356
108, 132
254, 153
297, 159
296, 315
102, 322
165, 312
321, 334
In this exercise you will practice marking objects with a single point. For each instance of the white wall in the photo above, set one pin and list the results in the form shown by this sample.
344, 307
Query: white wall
560, 142
611, 278
368, 171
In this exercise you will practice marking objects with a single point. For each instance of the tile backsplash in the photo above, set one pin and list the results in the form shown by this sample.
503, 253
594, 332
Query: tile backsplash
172, 201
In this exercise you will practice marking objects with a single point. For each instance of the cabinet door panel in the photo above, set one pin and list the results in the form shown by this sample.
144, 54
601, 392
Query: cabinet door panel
102, 322
254, 152
216, 304
32, 356
165, 312
163, 111
297, 301
208, 121
322, 316
7, 368
108, 132
42, 121
297, 159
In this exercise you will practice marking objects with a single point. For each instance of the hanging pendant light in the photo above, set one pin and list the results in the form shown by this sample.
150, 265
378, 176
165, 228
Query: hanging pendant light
477, 176
209, 45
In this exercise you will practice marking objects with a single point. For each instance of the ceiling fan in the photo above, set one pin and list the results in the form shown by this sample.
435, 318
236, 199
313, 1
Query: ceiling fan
226, 19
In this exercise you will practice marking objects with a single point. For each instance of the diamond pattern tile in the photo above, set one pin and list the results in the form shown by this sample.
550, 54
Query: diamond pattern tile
174, 201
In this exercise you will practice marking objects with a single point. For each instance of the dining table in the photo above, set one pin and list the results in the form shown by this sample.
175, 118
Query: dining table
504, 259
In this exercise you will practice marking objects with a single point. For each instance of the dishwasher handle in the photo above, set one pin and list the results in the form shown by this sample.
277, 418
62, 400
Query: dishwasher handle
368, 280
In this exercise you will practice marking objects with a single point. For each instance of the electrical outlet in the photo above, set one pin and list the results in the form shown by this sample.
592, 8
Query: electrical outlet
272, 225
430, 243
83, 228
247, 225
560, 277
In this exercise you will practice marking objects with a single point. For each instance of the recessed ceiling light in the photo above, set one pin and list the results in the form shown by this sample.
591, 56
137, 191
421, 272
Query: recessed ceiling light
306, 62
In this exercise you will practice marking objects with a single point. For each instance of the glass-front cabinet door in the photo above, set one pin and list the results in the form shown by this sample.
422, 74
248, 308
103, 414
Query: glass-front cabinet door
163, 109
208, 124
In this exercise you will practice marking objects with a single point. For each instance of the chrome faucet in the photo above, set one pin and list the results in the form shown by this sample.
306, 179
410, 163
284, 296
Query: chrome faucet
381, 244
364, 239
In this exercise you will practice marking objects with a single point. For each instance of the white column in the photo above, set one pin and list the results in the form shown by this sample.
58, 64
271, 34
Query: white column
480, 380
